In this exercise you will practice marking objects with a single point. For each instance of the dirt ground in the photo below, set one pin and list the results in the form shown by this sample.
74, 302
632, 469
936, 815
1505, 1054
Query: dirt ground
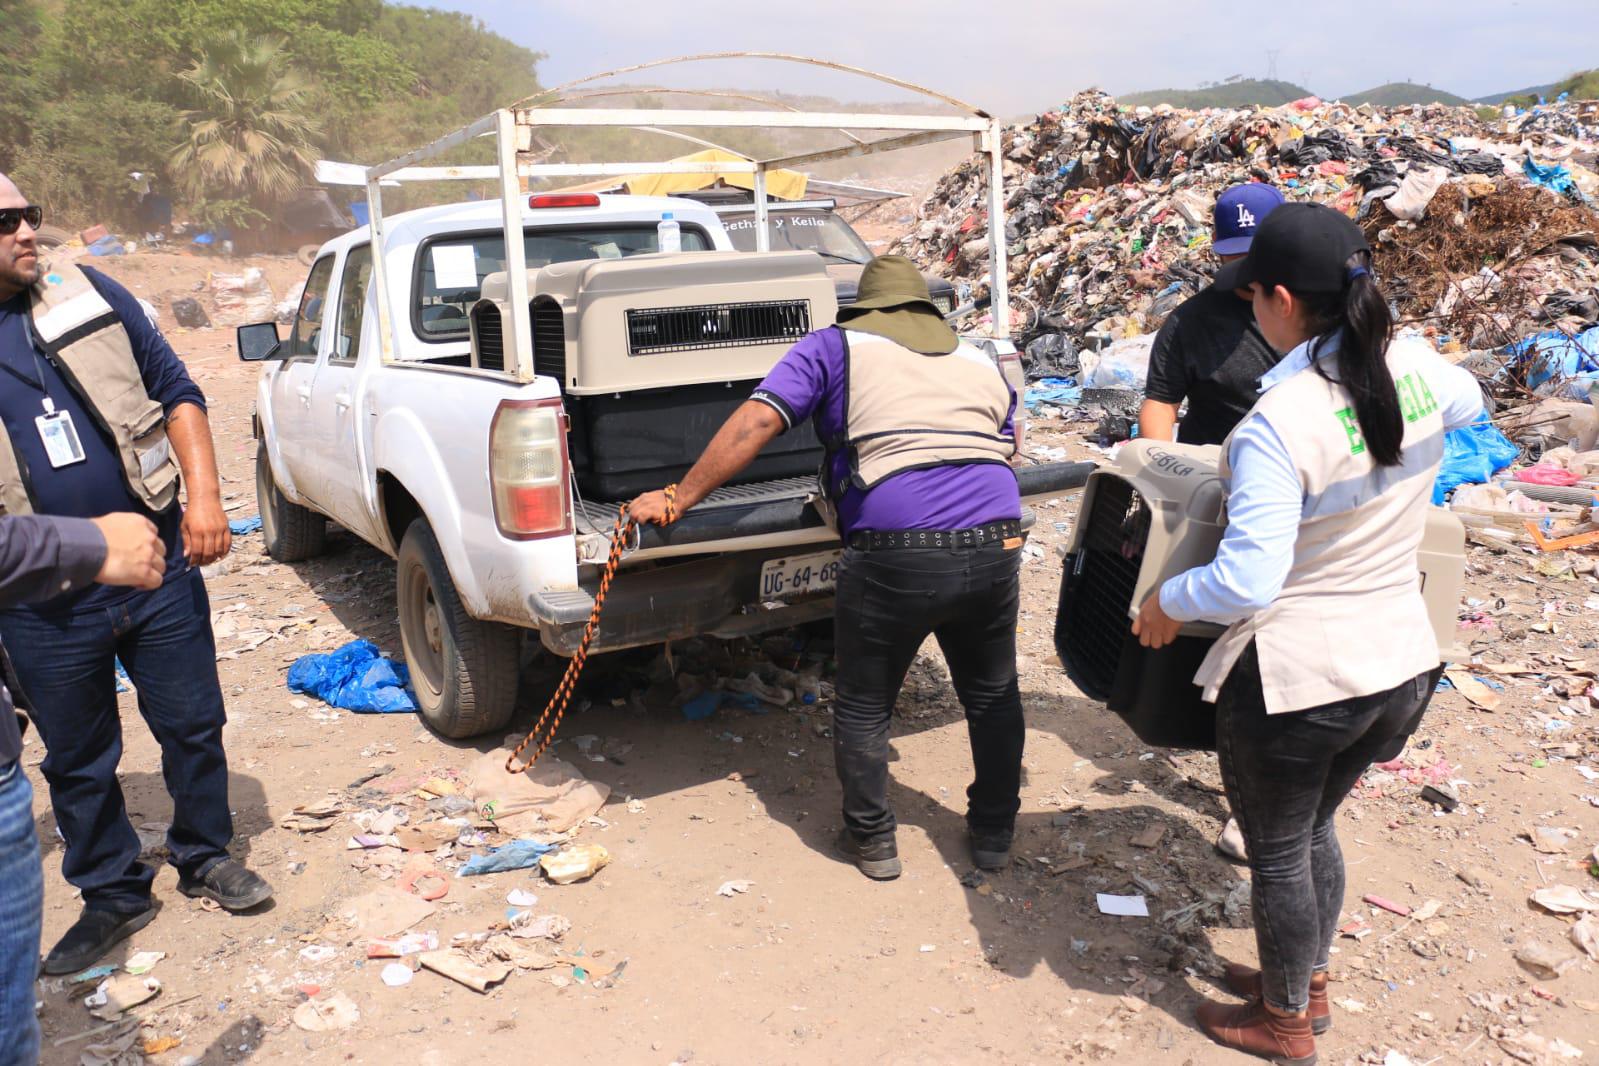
814, 963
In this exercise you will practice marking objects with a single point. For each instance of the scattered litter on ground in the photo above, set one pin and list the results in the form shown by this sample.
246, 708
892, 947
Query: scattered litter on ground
326, 1013
517, 855
576, 862
1122, 906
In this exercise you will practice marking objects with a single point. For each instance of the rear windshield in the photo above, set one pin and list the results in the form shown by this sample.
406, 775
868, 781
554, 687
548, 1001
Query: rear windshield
450, 270
805, 231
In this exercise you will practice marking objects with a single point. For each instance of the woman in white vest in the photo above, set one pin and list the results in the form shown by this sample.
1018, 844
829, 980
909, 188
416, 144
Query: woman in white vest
1329, 659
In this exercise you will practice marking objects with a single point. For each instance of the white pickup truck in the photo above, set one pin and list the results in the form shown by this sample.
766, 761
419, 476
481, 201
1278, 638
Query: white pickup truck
496, 495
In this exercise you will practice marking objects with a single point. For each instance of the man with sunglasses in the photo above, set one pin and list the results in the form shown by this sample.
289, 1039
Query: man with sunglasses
100, 415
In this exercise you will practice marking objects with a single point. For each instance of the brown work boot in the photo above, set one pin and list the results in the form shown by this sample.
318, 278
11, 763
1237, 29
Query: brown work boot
1245, 981
1252, 1028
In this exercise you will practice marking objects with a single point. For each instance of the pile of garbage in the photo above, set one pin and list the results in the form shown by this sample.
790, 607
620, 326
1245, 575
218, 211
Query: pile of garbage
1483, 232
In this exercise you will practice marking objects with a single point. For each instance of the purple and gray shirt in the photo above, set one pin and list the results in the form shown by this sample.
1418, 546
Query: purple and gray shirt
810, 382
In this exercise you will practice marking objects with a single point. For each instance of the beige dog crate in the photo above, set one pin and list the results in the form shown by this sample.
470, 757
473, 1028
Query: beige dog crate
1156, 512
654, 352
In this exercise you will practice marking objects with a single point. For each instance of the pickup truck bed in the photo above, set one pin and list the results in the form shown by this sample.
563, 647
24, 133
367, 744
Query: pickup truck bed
704, 595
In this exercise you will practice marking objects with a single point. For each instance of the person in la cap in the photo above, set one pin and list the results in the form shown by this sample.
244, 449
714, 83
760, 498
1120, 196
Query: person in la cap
1210, 353
919, 433
1328, 659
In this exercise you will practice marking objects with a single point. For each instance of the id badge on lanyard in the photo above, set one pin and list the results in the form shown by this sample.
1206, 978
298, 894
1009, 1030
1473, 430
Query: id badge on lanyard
59, 435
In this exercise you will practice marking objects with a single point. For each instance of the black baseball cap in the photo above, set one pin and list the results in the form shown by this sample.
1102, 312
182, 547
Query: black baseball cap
1302, 247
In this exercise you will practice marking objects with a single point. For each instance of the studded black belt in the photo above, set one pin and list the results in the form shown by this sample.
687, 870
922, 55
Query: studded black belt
975, 537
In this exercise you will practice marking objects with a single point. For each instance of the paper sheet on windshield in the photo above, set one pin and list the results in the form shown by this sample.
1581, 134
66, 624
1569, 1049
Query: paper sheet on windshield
454, 266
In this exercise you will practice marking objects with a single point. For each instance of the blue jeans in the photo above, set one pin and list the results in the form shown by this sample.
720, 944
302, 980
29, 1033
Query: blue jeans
65, 666
21, 912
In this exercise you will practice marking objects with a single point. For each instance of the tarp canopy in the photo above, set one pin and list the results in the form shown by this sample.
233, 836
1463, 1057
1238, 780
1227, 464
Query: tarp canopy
780, 184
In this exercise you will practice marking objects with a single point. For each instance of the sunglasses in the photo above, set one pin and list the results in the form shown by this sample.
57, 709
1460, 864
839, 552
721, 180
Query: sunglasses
11, 218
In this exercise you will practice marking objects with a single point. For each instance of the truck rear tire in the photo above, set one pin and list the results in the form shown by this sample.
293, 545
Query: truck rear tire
291, 532
465, 671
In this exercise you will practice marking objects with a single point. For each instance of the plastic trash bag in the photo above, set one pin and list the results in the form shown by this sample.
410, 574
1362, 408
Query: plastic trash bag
1124, 365
1553, 177
355, 678
1060, 392
517, 855
242, 298
1472, 455
1560, 365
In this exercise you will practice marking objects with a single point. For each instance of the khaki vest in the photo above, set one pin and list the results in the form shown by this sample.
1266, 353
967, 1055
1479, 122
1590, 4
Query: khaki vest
83, 337
907, 411
1350, 620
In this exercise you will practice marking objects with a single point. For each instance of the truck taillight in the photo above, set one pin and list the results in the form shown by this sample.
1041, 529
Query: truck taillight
528, 472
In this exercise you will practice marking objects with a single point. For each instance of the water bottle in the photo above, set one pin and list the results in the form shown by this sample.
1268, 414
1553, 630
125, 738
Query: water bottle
668, 234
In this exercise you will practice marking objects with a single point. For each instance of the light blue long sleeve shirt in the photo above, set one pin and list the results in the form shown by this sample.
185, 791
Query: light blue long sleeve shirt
1266, 501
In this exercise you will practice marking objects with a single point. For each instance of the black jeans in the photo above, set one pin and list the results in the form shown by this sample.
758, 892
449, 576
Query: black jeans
1286, 775
66, 667
888, 602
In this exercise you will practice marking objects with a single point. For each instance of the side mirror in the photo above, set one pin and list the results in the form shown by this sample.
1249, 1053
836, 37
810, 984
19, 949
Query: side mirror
258, 341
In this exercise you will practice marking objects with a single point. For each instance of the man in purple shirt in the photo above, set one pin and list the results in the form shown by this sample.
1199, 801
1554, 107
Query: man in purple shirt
919, 429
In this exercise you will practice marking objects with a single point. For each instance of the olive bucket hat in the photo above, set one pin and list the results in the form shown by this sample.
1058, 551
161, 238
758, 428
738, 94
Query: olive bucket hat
892, 301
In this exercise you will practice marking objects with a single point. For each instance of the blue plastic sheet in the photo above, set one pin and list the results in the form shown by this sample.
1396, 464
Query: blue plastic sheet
1058, 392
517, 855
356, 678
1472, 455
240, 526
1558, 364
1553, 177
706, 704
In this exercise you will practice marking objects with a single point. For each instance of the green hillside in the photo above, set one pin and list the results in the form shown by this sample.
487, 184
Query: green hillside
1583, 85
1401, 93
1236, 94
1531, 92
90, 91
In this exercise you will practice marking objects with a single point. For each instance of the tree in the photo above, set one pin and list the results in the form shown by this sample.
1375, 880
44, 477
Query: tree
249, 140
19, 88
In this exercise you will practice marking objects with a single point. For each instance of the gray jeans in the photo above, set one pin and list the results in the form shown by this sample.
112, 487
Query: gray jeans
1286, 775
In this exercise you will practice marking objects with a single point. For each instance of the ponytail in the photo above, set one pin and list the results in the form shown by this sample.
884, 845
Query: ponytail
1362, 314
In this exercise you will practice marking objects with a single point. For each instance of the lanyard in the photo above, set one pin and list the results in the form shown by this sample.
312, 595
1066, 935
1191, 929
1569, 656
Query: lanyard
33, 350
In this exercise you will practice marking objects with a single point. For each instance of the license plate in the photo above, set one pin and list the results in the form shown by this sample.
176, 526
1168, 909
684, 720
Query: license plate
783, 579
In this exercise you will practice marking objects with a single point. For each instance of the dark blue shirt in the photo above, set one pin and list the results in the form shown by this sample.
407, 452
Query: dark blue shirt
96, 485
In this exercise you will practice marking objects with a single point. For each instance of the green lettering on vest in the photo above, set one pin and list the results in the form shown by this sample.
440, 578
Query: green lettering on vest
1407, 398
1428, 403
1357, 443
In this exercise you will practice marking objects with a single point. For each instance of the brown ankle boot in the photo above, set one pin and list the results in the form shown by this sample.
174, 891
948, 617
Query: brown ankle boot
1251, 1028
1245, 981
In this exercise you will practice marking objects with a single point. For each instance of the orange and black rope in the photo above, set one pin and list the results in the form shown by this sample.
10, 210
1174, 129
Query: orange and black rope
625, 525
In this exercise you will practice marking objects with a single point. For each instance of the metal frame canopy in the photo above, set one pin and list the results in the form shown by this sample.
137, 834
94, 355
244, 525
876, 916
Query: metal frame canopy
519, 155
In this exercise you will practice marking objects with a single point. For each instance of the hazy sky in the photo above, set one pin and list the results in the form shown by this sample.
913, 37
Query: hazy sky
1015, 57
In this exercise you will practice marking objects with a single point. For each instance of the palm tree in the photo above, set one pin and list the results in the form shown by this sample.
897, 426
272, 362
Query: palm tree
248, 139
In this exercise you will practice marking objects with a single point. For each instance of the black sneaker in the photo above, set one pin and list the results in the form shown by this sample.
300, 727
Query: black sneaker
231, 884
878, 859
92, 935
991, 848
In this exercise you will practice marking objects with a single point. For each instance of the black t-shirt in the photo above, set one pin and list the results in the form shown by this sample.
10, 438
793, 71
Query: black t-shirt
1211, 353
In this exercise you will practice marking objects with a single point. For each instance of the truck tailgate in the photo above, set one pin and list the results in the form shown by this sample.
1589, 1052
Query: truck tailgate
782, 507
